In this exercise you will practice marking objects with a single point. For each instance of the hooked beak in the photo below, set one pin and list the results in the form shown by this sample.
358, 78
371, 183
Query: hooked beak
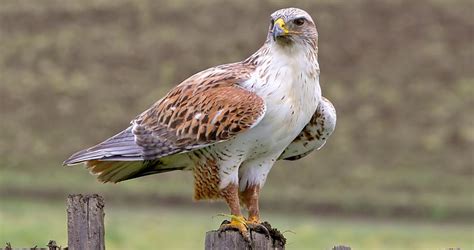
279, 29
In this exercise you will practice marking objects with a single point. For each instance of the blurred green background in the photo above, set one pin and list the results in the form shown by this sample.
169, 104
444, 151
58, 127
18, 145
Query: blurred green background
396, 174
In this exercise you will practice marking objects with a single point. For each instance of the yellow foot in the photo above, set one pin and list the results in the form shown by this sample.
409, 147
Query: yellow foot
237, 223
254, 219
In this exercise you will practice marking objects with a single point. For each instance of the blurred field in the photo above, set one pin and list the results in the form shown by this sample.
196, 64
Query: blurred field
399, 73
167, 228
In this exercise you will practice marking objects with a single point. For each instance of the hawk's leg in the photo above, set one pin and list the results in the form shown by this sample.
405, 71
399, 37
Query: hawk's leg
238, 222
250, 199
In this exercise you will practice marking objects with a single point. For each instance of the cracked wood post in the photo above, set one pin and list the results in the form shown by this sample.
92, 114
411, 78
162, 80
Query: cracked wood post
85, 222
233, 240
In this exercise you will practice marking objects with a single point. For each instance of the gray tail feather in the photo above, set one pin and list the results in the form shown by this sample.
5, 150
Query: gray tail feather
117, 171
119, 158
121, 147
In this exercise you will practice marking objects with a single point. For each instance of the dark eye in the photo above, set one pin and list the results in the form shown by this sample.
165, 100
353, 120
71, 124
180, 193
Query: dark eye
299, 21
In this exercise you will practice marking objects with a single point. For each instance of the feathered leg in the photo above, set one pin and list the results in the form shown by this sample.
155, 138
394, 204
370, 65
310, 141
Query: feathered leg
238, 222
249, 198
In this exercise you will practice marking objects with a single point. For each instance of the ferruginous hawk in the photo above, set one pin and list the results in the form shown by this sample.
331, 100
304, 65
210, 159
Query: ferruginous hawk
229, 124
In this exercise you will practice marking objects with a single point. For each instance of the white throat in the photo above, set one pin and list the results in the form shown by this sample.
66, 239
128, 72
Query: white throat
287, 73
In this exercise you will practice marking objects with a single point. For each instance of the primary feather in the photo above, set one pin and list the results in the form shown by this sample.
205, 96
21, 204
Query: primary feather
119, 147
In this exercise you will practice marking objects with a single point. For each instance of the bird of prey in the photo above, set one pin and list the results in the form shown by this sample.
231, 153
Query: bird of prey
229, 124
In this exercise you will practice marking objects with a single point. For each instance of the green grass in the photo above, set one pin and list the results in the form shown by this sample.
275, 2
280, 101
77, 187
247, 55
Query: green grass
27, 223
350, 198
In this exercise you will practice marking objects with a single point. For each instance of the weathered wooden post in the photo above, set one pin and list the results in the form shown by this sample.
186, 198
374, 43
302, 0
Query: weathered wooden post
231, 240
341, 248
85, 222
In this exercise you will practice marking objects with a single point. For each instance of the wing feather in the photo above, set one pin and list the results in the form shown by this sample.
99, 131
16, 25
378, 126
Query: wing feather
197, 115
207, 108
123, 145
315, 133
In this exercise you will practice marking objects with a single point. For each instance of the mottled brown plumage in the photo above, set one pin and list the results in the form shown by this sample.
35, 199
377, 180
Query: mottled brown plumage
315, 133
206, 108
190, 116
206, 176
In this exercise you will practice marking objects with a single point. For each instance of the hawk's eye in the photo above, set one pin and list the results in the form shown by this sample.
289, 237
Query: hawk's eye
299, 21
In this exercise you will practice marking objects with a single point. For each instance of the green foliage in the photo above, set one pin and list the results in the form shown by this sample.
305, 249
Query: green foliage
74, 73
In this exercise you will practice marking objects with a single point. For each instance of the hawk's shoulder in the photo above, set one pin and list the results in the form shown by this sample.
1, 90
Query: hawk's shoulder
206, 108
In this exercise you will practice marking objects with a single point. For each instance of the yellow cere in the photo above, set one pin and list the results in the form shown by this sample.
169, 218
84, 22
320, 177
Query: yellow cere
281, 23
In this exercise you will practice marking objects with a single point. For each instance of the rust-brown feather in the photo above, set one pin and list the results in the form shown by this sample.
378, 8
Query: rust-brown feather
206, 108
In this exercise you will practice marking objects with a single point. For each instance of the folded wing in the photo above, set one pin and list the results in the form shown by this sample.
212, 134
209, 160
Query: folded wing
315, 133
207, 108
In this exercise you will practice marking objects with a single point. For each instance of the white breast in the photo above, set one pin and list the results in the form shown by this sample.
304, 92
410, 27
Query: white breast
288, 82
291, 92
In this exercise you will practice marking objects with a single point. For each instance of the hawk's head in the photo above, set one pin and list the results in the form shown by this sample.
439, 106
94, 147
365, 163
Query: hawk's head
292, 25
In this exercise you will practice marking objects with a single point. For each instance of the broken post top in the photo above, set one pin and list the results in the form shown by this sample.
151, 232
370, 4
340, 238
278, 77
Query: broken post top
87, 197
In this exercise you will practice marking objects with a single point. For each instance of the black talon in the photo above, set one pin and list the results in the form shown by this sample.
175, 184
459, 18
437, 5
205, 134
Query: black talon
259, 228
225, 222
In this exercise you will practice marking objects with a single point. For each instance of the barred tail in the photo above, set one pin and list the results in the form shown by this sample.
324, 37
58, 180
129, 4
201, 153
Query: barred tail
121, 147
117, 171
119, 158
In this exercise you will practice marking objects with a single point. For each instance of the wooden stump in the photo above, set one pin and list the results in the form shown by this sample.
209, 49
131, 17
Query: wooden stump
85, 222
230, 240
